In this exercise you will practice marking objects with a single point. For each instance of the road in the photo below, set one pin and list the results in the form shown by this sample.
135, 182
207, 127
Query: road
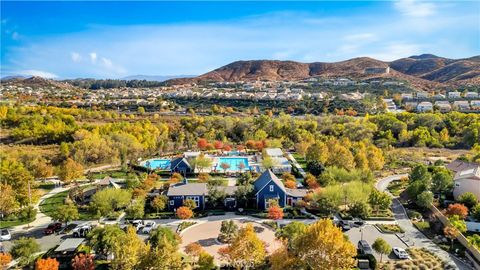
412, 236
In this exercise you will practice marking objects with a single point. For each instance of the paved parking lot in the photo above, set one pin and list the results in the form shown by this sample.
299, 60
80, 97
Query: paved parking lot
370, 234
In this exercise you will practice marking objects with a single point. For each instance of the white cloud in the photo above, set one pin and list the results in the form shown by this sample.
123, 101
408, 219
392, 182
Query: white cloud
93, 57
76, 57
361, 37
414, 8
396, 50
38, 73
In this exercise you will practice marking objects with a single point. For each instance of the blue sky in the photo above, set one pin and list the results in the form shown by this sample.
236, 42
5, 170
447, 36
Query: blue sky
117, 39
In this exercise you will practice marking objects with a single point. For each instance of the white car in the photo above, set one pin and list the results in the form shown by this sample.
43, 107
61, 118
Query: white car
137, 224
401, 253
5, 235
149, 226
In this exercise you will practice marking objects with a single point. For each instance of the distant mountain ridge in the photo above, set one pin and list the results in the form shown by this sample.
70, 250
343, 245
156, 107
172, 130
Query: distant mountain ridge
426, 71
156, 78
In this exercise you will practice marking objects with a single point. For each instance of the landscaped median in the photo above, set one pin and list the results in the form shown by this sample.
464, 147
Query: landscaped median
390, 228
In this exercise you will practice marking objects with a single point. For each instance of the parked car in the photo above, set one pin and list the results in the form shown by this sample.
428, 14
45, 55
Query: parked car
149, 226
344, 225
82, 230
67, 228
401, 253
358, 222
138, 224
53, 228
5, 235
364, 247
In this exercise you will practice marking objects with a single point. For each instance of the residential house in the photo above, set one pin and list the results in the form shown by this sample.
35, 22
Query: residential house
454, 95
471, 95
475, 104
423, 95
461, 105
467, 181
177, 193
280, 163
443, 106
268, 187
407, 96
425, 106
180, 165
391, 107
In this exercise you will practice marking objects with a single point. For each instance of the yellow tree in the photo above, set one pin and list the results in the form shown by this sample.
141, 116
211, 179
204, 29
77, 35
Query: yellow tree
70, 170
323, 246
128, 250
246, 249
46, 264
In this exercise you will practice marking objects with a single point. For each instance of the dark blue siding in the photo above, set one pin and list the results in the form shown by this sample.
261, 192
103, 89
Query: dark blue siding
265, 193
178, 201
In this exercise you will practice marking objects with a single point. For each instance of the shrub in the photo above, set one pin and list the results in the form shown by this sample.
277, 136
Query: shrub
371, 260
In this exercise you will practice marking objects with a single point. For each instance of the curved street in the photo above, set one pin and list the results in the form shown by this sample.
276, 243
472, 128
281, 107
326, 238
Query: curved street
412, 236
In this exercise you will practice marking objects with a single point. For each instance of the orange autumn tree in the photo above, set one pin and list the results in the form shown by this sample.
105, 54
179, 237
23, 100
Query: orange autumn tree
202, 143
83, 262
184, 212
311, 181
274, 211
457, 209
5, 259
47, 264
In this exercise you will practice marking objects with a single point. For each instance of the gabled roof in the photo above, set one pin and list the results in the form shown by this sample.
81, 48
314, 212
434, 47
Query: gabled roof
191, 189
177, 161
229, 190
472, 173
274, 152
459, 165
298, 193
69, 245
265, 178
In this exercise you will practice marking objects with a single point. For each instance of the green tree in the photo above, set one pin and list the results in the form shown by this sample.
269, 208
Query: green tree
24, 250
110, 199
66, 213
425, 199
159, 203
136, 209
228, 231
476, 212
359, 209
190, 204
161, 235
163, 256
442, 181
381, 246
468, 199
206, 261
104, 239
128, 256
379, 200
291, 231
202, 162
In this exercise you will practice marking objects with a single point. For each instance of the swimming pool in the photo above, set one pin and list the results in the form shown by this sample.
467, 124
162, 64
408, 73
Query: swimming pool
157, 164
234, 163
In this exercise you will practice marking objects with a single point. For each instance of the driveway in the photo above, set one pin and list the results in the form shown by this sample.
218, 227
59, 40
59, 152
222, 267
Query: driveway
412, 236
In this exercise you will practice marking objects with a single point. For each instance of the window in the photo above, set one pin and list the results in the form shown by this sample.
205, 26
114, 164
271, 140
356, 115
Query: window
196, 199
271, 188
172, 202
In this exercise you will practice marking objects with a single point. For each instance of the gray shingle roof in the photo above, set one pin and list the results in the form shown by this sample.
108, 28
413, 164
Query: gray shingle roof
299, 193
196, 189
229, 190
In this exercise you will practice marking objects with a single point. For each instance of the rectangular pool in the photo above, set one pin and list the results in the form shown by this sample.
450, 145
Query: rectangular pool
234, 163
157, 164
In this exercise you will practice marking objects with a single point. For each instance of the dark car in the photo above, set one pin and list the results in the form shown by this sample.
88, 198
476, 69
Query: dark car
344, 225
53, 228
364, 247
358, 222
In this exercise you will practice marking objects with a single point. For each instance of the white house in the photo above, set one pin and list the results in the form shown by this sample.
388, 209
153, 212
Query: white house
454, 94
467, 180
471, 95
443, 105
461, 105
425, 106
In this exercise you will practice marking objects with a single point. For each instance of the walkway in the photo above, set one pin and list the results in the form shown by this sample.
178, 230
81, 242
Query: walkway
295, 163
412, 235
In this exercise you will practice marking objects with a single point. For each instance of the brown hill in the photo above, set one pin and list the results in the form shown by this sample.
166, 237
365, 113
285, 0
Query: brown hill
424, 71
37, 82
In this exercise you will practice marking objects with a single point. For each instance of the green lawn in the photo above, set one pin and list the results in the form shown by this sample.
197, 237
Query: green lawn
397, 187
50, 205
300, 160
8, 224
113, 174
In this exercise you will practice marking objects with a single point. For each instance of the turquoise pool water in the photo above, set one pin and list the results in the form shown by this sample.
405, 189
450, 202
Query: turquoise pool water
234, 163
157, 164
